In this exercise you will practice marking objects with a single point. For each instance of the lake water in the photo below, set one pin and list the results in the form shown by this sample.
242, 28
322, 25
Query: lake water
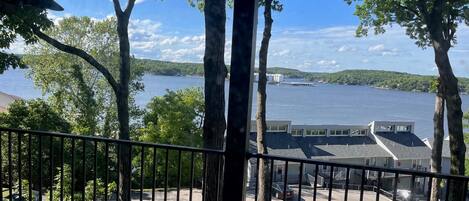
322, 104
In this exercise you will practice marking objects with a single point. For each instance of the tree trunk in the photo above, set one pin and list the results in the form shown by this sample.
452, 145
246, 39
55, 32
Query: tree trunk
263, 174
454, 117
215, 73
438, 135
122, 100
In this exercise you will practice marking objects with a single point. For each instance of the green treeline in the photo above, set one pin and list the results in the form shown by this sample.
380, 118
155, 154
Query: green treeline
384, 79
375, 78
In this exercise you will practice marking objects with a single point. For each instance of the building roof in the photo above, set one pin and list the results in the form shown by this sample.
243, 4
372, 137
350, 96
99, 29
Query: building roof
404, 145
5, 100
322, 147
283, 144
280, 144
445, 152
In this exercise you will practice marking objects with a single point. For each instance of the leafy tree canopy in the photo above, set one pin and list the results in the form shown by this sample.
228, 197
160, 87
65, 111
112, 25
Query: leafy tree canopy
33, 115
175, 118
416, 16
18, 22
75, 87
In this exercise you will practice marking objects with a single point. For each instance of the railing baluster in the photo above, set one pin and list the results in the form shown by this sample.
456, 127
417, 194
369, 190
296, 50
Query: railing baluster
166, 175
204, 175
256, 190
315, 192
142, 159
30, 169
117, 170
95, 168
130, 172
347, 180
20, 167
106, 170
394, 193
1, 169
285, 182
10, 169
465, 190
300, 182
429, 190
412, 184
73, 170
84, 170
40, 168
448, 183
331, 181
153, 176
191, 176
51, 168
271, 178
217, 183
362, 184
62, 168
179, 175
378, 187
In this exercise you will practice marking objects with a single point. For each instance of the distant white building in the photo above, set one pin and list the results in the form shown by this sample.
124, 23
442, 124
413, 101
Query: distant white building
390, 144
271, 78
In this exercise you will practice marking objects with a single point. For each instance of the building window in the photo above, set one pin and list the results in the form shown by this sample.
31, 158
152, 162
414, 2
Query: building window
340, 132
315, 132
283, 128
297, 132
407, 128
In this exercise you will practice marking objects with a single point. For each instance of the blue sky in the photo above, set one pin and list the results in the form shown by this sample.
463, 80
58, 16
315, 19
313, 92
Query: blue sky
310, 35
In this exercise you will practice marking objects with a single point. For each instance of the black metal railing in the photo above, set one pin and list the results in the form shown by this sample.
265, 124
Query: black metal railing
37, 165
403, 186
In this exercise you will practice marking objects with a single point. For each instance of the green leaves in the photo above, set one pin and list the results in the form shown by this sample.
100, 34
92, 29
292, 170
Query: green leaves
420, 19
175, 118
76, 88
33, 115
18, 22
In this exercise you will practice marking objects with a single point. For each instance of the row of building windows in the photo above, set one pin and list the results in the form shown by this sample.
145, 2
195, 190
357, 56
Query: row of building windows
323, 132
280, 127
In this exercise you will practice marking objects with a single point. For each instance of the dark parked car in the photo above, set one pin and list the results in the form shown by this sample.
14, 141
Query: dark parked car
277, 191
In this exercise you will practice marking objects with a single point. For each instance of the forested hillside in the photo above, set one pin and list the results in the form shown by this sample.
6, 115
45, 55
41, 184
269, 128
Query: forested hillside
375, 78
383, 79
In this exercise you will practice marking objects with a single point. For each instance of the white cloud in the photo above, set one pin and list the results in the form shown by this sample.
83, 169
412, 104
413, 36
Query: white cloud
376, 48
346, 48
327, 63
281, 52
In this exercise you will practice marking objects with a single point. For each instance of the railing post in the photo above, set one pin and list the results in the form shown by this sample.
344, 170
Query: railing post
239, 103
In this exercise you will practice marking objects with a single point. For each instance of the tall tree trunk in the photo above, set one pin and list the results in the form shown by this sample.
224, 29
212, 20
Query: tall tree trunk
454, 117
263, 174
215, 73
438, 135
122, 99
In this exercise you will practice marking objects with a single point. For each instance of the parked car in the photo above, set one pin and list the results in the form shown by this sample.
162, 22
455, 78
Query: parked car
277, 191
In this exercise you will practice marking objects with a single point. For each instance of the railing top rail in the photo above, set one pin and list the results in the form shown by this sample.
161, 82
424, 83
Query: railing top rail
352, 166
110, 140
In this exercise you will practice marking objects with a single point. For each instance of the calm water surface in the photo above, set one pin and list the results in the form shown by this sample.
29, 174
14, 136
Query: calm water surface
322, 104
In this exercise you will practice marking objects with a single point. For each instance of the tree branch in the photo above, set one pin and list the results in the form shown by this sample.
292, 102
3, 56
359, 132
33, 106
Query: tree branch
80, 53
117, 7
130, 6
415, 12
